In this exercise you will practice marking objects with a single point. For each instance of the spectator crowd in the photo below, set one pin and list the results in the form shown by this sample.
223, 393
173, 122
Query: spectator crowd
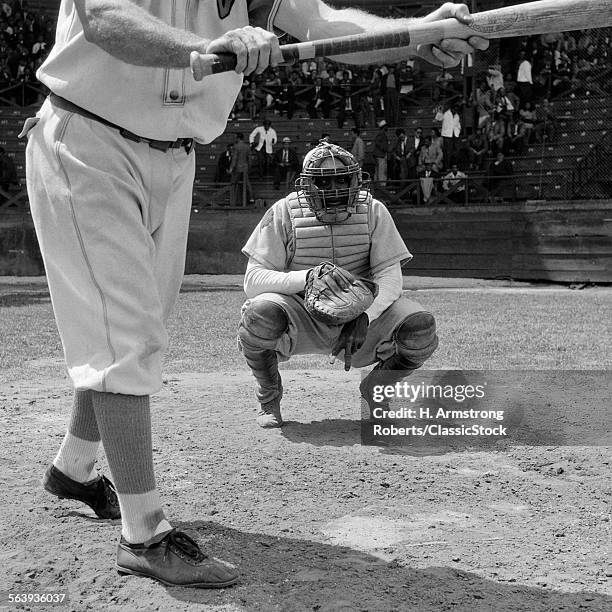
26, 36
479, 117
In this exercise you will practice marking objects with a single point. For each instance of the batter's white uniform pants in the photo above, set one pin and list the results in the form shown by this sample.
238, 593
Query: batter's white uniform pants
111, 216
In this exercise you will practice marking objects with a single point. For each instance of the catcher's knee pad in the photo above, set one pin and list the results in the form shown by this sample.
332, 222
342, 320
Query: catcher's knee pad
416, 339
263, 323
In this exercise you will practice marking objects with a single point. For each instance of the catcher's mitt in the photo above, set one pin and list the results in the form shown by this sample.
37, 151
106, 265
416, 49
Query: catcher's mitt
334, 296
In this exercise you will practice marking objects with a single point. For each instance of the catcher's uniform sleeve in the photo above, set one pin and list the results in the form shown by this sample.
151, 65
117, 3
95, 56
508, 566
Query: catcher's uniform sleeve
389, 281
258, 279
267, 245
388, 247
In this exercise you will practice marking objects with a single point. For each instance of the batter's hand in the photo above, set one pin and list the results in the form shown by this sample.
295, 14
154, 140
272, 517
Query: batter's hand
451, 50
255, 49
351, 339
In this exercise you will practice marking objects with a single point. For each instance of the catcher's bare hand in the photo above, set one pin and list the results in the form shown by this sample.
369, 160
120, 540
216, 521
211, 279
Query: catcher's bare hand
451, 50
255, 49
351, 339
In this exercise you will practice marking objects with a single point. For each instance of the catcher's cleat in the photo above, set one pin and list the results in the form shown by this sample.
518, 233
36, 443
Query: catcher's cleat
383, 373
99, 495
269, 414
176, 560
366, 389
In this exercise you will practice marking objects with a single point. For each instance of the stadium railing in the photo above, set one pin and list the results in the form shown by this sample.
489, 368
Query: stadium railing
478, 188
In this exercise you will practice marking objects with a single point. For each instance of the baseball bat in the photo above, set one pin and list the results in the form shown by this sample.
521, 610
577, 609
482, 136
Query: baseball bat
529, 18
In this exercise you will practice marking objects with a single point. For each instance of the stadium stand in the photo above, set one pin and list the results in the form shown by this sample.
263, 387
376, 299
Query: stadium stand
571, 162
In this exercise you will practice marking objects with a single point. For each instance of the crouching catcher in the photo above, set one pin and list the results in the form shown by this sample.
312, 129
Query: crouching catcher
330, 217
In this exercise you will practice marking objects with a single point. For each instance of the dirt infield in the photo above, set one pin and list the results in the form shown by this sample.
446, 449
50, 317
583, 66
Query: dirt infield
314, 519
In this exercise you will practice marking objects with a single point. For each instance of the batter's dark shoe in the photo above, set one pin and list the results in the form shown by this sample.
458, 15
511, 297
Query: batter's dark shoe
99, 495
269, 414
175, 560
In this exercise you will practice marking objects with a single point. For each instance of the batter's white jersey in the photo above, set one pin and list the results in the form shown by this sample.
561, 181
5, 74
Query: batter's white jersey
158, 103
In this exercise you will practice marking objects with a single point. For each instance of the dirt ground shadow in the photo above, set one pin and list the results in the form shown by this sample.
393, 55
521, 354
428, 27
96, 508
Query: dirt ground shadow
279, 573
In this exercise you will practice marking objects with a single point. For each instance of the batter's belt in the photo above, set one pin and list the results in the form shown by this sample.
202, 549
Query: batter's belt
160, 145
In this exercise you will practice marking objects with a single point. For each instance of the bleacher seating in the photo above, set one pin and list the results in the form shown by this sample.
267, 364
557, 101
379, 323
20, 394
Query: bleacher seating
544, 169
48, 8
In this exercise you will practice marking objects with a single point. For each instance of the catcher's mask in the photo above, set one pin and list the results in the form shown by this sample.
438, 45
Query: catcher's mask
331, 183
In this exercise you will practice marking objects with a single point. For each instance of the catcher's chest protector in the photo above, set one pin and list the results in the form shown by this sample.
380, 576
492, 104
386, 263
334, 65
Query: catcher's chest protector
346, 244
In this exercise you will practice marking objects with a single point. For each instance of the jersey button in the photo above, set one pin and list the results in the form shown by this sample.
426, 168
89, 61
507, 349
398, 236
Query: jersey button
174, 95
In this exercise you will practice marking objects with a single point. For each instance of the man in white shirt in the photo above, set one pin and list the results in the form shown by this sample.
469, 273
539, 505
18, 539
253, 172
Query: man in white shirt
524, 81
39, 46
262, 139
452, 178
427, 181
110, 170
450, 131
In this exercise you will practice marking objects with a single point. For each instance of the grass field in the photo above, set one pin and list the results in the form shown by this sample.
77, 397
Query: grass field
553, 328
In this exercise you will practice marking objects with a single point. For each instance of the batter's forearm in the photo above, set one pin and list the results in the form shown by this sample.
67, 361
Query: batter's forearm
313, 20
131, 34
258, 280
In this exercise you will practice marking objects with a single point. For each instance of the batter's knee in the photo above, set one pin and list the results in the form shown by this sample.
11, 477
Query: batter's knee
263, 323
416, 338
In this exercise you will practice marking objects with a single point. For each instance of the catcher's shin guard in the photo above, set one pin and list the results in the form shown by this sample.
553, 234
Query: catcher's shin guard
262, 325
415, 341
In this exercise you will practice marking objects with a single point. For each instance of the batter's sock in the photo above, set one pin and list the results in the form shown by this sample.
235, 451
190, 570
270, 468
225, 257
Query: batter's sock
77, 454
125, 426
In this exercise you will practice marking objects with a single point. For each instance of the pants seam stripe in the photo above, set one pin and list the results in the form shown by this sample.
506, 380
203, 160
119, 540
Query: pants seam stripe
58, 143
